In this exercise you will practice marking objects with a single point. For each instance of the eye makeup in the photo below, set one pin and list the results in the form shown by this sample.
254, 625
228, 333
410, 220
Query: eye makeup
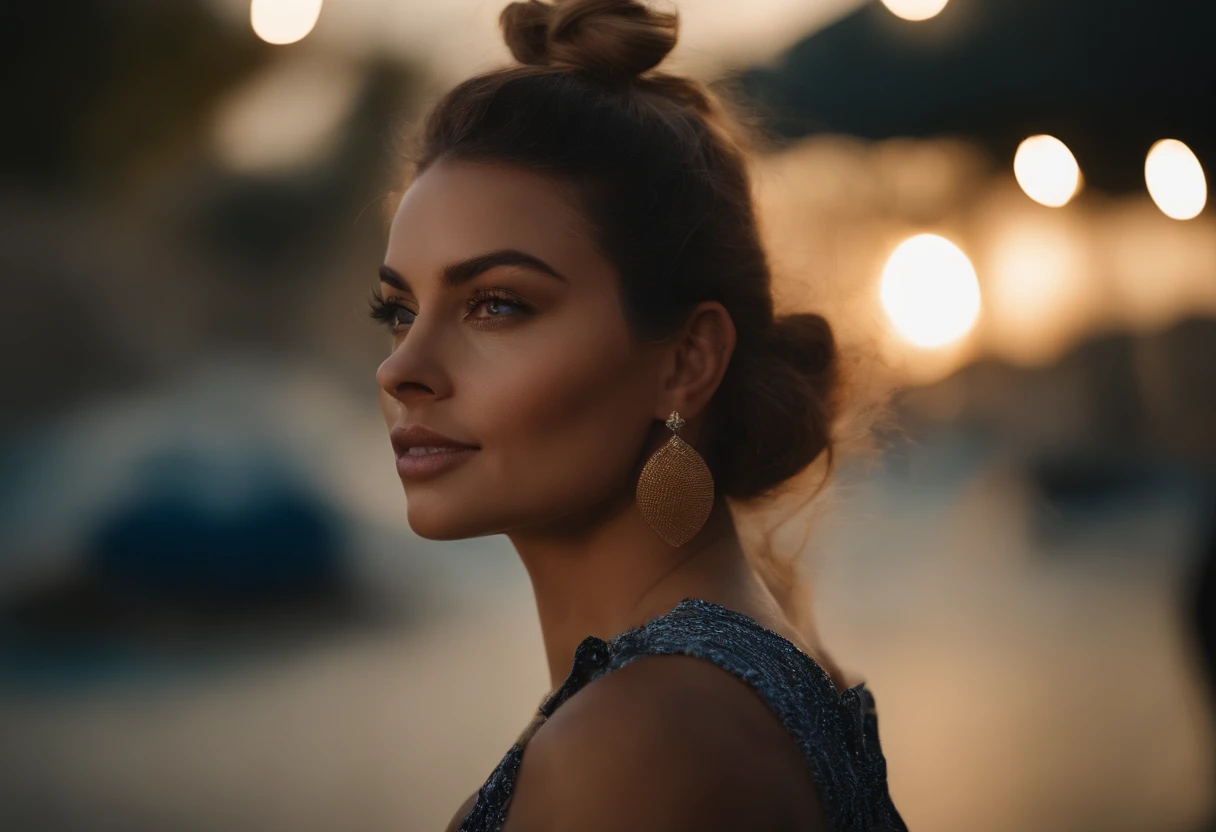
387, 310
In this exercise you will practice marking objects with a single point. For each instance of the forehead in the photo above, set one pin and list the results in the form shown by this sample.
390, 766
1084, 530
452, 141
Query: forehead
456, 209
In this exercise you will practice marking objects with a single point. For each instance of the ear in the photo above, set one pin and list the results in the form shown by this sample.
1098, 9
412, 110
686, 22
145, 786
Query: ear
697, 358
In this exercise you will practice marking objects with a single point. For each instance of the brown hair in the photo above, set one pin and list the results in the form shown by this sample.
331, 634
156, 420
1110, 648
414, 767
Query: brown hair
660, 167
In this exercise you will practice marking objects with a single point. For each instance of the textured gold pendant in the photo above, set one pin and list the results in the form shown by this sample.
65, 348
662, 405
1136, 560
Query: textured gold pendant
675, 492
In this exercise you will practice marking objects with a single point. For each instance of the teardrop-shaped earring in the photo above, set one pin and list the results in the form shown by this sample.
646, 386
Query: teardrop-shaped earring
675, 491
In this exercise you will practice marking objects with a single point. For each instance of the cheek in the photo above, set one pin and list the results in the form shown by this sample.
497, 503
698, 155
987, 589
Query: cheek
566, 423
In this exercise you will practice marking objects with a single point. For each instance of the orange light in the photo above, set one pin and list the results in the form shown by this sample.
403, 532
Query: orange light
1046, 170
915, 9
1175, 179
283, 21
930, 291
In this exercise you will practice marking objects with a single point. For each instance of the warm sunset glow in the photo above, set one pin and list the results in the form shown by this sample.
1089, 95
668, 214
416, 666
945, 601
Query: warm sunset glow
915, 9
1046, 170
284, 21
930, 291
1175, 179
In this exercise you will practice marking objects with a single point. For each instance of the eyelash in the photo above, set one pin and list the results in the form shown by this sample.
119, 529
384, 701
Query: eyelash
385, 310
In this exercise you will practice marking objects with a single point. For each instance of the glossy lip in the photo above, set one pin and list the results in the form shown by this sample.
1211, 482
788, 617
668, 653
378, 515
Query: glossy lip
422, 466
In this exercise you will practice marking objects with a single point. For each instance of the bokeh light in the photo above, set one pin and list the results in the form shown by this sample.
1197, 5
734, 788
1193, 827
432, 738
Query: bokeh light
915, 9
1175, 179
1046, 170
1039, 294
284, 21
930, 291
287, 117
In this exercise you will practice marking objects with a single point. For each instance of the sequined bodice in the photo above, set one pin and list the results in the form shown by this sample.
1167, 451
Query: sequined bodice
837, 731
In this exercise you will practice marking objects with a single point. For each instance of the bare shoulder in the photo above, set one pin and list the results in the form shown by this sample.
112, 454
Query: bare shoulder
464, 809
665, 743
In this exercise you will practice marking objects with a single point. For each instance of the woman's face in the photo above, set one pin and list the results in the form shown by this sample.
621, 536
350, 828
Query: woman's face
508, 334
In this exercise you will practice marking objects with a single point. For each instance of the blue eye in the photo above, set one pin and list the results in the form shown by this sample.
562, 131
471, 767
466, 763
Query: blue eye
495, 303
387, 311
496, 300
397, 310
396, 316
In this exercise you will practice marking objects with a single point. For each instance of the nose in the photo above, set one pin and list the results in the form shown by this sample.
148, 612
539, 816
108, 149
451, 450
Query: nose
413, 369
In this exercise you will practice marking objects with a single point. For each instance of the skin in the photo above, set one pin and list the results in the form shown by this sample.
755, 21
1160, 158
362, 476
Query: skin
565, 405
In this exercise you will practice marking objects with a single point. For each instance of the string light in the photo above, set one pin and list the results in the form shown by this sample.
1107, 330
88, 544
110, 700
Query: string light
915, 9
930, 291
284, 21
1046, 170
1175, 179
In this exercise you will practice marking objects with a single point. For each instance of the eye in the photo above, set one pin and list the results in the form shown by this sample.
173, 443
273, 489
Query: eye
498, 303
396, 317
389, 312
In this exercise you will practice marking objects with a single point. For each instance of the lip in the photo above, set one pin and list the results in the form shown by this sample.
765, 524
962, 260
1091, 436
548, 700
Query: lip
424, 466
404, 438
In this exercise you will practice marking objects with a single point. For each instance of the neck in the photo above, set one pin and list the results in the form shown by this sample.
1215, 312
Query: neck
603, 574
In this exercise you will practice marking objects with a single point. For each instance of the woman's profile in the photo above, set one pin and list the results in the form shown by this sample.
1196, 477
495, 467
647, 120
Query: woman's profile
585, 358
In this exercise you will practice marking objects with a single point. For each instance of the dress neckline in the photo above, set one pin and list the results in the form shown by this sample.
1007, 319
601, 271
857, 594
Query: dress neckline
594, 652
748, 621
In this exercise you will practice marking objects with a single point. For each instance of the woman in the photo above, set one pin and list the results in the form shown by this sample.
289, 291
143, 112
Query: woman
585, 358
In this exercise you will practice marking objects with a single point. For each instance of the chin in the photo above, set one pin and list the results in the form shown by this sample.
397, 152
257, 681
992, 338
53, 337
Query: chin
435, 518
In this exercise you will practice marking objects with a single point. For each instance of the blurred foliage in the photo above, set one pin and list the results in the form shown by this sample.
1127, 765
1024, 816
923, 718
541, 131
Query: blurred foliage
276, 225
130, 250
100, 89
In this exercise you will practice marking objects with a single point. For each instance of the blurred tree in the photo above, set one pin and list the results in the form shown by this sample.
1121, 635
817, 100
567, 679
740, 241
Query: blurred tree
99, 91
1108, 77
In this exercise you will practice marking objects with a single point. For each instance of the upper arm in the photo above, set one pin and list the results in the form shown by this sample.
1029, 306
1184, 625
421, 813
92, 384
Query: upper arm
665, 744
464, 809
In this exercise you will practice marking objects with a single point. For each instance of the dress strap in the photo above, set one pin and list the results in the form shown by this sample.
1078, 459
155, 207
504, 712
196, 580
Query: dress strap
590, 657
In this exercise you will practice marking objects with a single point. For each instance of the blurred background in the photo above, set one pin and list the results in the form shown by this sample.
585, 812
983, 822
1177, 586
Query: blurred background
213, 614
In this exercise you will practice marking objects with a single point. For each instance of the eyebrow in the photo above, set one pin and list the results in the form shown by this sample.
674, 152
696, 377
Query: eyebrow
462, 271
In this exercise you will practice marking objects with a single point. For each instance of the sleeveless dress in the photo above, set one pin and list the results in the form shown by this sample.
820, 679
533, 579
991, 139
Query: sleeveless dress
837, 731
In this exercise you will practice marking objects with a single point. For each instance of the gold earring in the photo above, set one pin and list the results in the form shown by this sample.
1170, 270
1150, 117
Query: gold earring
675, 491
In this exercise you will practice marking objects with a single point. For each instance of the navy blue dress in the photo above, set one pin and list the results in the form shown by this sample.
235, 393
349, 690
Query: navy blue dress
836, 730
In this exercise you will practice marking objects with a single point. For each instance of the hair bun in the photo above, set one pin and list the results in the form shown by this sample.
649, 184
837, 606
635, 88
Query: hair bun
612, 39
804, 340
783, 405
